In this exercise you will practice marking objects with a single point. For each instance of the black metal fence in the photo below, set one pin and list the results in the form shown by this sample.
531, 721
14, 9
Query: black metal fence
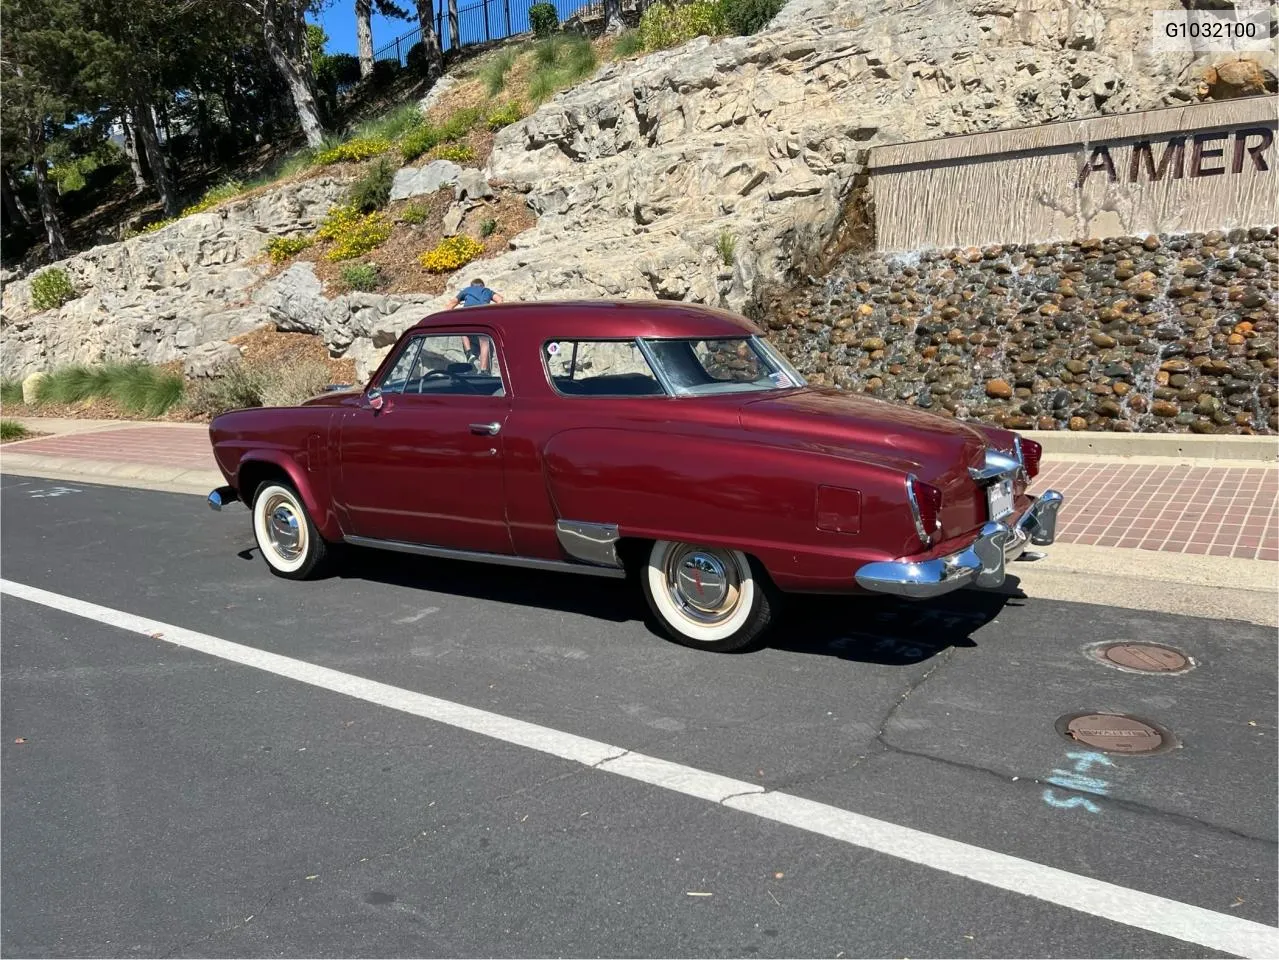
489, 20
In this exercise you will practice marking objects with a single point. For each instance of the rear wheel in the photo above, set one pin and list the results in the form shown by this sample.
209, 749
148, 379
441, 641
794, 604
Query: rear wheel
289, 542
706, 597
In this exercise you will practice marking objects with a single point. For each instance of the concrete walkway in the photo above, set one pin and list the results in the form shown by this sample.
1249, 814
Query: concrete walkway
1169, 504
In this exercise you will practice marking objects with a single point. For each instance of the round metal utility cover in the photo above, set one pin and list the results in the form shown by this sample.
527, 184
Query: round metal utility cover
1146, 657
1114, 734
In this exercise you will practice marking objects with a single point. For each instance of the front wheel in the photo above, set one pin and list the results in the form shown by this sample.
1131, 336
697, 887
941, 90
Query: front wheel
706, 597
289, 542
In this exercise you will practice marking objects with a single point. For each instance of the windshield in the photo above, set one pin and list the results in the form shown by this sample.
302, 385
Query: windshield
728, 365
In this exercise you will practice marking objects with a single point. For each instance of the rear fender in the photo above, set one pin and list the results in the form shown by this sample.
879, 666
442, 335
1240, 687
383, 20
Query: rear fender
719, 490
320, 510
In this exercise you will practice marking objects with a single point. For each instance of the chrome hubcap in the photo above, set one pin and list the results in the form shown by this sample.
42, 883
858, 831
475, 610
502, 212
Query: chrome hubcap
285, 528
703, 583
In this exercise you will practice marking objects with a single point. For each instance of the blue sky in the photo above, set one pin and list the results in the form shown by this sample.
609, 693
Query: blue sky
338, 20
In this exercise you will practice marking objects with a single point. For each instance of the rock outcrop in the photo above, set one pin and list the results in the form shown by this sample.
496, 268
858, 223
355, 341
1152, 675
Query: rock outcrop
703, 173
636, 174
157, 296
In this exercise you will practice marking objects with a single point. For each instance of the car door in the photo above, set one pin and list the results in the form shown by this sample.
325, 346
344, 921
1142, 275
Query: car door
422, 461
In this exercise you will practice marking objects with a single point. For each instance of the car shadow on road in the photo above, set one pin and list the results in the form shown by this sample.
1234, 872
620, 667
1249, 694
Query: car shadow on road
888, 631
867, 629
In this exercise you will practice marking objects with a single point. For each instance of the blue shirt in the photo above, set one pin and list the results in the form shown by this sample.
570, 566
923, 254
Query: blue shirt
474, 296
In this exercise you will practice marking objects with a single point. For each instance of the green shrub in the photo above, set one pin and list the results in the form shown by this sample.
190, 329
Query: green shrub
373, 190
353, 232
10, 392
136, 388
13, 430
457, 152
663, 25
543, 19
281, 248
359, 148
212, 197
628, 44
384, 71
743, 17
488, 227
419, 140
461, 122
560, 62
494, 72
414, 213
428, 136
726, 247
393, 124
505, 115
361, 276
51, 288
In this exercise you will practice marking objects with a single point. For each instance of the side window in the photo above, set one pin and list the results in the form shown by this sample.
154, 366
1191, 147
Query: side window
600, 368
398, 375
456, 363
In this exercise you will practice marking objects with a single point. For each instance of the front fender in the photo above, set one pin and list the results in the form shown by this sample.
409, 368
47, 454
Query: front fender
319, 507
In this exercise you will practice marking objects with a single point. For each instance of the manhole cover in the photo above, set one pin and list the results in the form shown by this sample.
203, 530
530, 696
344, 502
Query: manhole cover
1114, 733
1145, 657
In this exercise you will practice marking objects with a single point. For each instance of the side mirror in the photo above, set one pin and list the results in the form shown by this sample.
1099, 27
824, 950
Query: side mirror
374, 397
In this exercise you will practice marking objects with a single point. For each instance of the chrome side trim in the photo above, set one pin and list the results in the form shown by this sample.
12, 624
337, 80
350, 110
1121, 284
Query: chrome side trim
924, 537
997, 465
502, 559
593, 543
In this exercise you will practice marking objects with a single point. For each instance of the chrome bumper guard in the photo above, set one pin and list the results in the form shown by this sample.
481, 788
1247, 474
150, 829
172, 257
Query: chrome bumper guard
980, 564
220, 497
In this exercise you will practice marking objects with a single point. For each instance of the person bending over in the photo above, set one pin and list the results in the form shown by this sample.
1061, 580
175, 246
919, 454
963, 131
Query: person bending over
476, 295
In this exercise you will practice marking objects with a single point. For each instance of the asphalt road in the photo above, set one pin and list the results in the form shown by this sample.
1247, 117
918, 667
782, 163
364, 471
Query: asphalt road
163, 802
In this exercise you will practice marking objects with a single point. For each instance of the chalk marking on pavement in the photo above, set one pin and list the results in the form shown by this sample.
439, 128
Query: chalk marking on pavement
1098, 898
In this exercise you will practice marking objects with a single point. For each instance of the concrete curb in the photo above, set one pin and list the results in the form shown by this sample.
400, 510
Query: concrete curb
111, 473
1065, 444
1220, 588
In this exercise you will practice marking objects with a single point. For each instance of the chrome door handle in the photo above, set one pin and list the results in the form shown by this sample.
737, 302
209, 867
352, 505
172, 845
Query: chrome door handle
486, 429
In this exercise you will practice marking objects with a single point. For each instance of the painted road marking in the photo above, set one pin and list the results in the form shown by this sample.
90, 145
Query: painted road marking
1145, 911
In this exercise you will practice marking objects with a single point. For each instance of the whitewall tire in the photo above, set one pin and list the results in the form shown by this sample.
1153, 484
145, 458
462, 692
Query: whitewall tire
706, 597
289, 542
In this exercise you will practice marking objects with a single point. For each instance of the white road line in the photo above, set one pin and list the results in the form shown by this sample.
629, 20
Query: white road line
1169, 918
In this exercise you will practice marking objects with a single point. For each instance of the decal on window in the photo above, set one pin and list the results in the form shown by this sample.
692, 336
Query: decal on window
552, 348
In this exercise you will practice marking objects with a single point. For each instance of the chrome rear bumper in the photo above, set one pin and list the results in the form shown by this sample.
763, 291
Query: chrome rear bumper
980, 564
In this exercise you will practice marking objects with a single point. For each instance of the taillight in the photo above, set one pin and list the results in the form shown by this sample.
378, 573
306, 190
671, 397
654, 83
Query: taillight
925, 506
1031, 452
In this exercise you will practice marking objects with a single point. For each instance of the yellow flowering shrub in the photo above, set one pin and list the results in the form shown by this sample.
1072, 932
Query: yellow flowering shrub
281, 248
450, 254
352, 232
361, 148
457, 152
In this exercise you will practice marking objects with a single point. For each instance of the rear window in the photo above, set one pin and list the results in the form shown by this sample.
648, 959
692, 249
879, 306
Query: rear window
600, 368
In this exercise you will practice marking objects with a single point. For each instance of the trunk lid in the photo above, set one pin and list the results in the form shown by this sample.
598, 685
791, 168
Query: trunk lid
932, 447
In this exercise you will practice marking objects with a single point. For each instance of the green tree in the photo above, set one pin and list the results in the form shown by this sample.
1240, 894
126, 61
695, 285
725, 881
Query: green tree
283, 27
364, 28
45, 53
430, 39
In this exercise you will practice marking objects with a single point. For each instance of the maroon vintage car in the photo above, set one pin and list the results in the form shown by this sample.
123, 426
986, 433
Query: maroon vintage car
665, 441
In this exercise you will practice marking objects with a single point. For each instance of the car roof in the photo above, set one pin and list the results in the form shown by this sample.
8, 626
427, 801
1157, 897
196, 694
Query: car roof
600, 319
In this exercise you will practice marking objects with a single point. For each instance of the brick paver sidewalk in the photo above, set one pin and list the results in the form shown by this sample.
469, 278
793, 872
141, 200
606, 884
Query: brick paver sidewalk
163, 445
1219, 511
